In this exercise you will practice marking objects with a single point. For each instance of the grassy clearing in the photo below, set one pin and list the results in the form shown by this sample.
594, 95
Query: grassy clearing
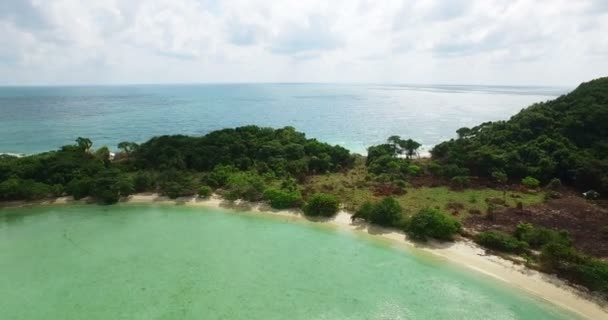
462, 201
353, 188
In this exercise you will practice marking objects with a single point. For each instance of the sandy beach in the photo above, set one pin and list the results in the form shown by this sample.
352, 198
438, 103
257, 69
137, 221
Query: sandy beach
462, 252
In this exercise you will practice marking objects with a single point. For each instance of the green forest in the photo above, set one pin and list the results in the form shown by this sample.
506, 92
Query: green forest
565, 139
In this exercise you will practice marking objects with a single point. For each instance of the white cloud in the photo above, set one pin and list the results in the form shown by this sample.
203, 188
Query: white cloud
484, 41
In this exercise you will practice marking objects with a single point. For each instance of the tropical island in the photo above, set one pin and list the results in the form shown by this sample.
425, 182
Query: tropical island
515, 187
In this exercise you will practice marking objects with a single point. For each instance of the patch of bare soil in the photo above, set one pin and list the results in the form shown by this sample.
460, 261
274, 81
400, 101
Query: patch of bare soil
586, 221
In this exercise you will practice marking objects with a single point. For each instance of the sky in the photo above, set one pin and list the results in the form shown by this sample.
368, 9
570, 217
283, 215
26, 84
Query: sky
493, 42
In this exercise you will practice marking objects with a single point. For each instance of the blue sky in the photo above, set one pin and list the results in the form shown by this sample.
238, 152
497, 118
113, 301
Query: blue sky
553, 42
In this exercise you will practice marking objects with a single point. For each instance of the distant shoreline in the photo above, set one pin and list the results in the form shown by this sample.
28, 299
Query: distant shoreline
464, 253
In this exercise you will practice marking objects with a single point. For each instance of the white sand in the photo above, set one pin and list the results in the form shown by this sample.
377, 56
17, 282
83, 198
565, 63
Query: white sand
464, 253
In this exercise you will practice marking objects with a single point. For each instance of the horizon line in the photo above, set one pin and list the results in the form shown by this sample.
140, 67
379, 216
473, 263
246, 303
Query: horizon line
131, 84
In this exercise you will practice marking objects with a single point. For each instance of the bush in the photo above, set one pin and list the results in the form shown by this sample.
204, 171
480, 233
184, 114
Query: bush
461, 182
385, 213
432, 223
283, 199
566, 262
499, 176
321, 204
204, 192
530, 182
414, 170
537, 237
554, 185
501, 241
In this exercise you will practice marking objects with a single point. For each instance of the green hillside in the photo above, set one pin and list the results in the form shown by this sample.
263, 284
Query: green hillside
565, 138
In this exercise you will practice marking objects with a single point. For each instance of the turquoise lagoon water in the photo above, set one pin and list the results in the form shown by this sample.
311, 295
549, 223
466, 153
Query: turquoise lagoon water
167, 262
36, 119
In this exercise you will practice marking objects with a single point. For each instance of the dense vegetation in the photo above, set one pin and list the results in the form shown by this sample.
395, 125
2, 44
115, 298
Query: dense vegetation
241, 163
566, 138
557, 255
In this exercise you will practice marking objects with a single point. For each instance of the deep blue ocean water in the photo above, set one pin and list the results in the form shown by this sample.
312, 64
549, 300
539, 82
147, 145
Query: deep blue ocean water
36, 119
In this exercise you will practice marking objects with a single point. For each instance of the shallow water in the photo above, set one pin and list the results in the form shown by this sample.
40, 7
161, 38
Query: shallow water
167, 262
37, 119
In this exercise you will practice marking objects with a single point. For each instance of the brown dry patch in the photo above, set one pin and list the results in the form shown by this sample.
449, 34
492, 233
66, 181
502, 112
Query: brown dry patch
586, 222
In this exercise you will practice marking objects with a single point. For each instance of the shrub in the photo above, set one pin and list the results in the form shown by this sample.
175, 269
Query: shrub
204, 192
321, 205
413, 170
555, 184
461, 181
364, 212
491, 211
432, 223
537, 237
385, 213
501, 241
500, 176
566, 262
283, 199
530, 182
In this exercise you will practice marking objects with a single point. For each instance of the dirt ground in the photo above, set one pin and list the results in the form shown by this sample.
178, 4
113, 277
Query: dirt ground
586, 221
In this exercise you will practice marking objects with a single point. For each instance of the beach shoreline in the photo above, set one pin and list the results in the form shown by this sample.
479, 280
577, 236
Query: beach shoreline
464, 253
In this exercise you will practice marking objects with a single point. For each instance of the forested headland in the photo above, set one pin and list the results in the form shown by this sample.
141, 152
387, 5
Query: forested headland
496, 183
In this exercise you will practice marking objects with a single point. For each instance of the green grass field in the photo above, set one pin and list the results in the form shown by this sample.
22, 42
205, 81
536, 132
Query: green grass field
352, 188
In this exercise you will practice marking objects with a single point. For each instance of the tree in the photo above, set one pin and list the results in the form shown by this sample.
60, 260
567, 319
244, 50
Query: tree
128, 147
322, 205
411, 148
103, 154
397, 143
463, 132
501, 178
109, 186
84, 144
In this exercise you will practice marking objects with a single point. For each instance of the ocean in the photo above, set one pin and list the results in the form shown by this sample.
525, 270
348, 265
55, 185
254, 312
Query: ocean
171, 262
37, 119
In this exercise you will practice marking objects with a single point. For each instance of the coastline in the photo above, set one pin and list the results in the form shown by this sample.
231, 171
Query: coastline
464, 253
